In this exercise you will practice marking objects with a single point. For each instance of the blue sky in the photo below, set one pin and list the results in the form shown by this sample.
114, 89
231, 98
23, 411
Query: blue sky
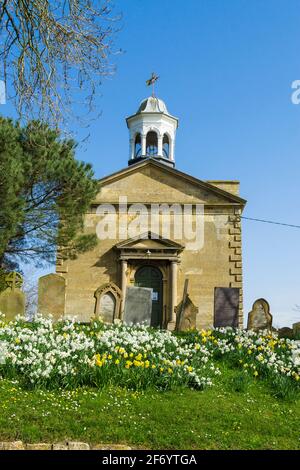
226, 68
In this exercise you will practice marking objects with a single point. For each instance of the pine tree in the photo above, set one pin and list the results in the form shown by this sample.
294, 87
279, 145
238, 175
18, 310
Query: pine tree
44, 194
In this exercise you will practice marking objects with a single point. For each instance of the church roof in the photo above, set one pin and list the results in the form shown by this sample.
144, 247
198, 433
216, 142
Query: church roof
232, 198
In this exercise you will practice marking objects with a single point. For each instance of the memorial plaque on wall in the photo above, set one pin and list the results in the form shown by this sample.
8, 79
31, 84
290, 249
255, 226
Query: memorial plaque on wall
226, 308
138, 305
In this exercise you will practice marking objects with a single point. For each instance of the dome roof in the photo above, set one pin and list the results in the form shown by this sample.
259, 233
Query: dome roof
152, 105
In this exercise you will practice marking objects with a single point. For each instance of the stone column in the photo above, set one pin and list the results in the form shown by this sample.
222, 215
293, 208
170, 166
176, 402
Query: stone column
171, 149
143, 141
123, 283
131, 148
173, 290
160, 145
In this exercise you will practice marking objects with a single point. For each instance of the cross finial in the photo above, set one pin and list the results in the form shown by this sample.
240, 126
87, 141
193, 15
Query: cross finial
152, 81
13, 280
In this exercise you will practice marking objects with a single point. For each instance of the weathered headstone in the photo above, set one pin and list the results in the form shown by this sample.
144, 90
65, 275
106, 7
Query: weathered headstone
188, 312
179, 310
138, 305
260, 317
12, 299
226, 307
296, 328
107, 307
108, 300
51, 295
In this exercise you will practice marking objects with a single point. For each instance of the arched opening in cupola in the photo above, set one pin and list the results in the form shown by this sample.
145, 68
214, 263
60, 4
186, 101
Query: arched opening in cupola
151, 143
166, 146
137, 146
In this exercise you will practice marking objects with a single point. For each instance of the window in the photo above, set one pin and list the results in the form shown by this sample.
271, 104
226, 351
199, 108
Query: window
166, 146
137, 146
151, 143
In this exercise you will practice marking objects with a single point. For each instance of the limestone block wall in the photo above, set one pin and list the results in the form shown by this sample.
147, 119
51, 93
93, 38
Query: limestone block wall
218, 263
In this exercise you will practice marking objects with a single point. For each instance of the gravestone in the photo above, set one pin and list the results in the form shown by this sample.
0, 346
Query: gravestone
226, 307
108, 300
296, 328
51, 295
186, 315
260, 317
12, 299
107, 307
138, 305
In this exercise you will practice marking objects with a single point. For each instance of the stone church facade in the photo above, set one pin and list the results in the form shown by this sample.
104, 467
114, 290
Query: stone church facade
157, 227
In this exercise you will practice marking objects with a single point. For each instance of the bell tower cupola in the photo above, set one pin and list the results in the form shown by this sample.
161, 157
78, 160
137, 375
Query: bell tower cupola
152, 131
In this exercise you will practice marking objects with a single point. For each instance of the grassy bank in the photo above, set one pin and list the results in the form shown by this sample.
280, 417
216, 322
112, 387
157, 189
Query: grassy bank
236, 413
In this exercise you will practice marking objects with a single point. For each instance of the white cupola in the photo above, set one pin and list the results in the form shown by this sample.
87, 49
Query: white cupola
152, 132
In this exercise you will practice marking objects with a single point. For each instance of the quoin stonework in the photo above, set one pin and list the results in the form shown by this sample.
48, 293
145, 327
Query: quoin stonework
157, 226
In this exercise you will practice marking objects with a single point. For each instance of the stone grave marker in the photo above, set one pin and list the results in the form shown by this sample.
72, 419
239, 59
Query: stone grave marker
188, 313
107, 307
138, 305
296, 328
226, 307
260, 317
51, 295
108, 300
12, 299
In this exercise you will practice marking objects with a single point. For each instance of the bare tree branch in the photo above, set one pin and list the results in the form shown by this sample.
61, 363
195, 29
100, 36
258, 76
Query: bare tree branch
55, 55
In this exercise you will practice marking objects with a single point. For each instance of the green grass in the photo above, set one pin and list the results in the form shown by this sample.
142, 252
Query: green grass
236, 413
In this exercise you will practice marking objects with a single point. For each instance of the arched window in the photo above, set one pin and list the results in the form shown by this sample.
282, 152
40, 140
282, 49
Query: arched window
151, 143
137, 146
166, 146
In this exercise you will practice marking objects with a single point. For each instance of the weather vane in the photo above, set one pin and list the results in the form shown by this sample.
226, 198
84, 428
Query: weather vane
152, 81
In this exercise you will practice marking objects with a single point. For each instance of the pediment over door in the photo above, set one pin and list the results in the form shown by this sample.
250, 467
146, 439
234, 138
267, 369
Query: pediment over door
149, 246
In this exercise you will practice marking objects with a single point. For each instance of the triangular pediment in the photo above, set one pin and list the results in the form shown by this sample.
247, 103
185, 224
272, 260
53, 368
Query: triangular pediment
149, 241
153, 182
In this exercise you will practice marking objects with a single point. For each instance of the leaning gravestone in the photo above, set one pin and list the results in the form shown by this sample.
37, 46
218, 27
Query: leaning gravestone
138, 305
226, 308
12, 299
260, 317
51, 295
186, 315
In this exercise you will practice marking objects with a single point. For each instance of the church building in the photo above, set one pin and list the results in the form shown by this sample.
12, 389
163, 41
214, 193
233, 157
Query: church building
157, 227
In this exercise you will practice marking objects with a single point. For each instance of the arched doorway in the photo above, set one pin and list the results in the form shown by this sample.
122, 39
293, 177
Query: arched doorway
150, 276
